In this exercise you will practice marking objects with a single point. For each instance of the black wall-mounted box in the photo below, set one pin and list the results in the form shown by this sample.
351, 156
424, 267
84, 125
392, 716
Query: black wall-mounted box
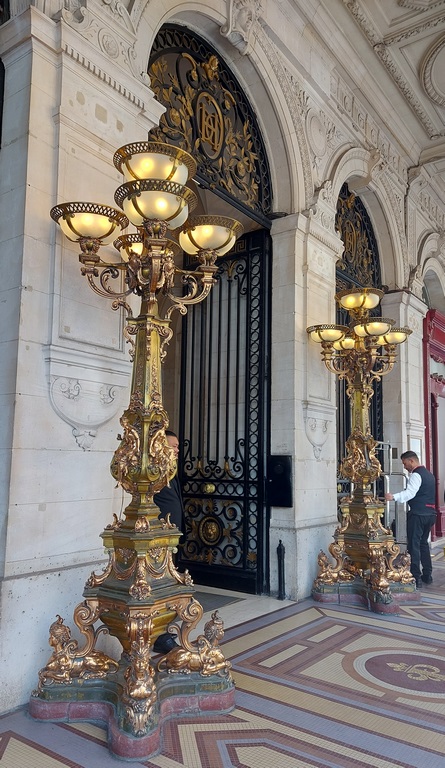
279, 481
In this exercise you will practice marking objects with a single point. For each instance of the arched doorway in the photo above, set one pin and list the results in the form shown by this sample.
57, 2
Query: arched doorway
358, 267
225, 380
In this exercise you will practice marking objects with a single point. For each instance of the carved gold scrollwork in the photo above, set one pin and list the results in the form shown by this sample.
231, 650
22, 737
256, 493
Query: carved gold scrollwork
357, 258
157, 562
204, 655
140, 589
121, 565
126, 460
67, 662
210, 123
95, 579
361, 461
332, 574
378, 569
139, 695
204, 118
129, 331
399, 571
85, 615
141, 525
124, 563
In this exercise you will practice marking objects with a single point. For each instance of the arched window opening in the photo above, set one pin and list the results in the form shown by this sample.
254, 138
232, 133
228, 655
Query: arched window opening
208, 115
359, 266
224, 384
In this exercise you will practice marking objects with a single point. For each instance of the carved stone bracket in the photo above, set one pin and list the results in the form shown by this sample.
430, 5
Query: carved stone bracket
321, 215
85, 393
316, 422
242, 16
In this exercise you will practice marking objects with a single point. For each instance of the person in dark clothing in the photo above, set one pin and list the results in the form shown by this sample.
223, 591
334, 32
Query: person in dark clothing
169, 501
169, 498
420, 492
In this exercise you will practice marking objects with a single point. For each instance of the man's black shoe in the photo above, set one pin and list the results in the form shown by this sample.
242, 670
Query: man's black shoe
419, 583
165, 643
427, 579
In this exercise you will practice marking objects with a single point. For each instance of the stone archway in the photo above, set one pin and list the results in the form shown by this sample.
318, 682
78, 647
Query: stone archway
224, 373
359, 266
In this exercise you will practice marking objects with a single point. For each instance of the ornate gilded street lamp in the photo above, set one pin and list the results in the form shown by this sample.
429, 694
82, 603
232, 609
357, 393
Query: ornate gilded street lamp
369, 567
140, 593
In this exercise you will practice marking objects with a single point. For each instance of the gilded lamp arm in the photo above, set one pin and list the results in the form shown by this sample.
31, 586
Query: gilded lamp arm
108, 272
199, 284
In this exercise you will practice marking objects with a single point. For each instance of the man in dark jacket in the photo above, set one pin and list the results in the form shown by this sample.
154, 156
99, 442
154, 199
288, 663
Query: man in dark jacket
169, 501
420, 492
169, 498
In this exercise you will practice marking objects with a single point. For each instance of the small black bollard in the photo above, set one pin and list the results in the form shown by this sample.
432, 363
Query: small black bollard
280, 555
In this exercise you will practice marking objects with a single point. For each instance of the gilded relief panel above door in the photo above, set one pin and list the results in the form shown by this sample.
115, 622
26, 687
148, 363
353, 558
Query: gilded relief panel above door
208, 115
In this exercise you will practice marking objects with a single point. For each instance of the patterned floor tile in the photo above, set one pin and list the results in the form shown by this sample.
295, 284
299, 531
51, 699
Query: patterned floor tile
317, 686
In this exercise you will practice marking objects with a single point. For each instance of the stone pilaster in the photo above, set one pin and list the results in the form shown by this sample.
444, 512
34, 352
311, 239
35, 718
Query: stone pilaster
306, 248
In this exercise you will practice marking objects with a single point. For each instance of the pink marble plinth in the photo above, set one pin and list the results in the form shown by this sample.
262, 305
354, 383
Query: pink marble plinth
122, 744
359, 593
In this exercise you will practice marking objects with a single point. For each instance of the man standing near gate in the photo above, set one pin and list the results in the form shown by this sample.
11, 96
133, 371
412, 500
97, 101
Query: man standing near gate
169, 501
420, 493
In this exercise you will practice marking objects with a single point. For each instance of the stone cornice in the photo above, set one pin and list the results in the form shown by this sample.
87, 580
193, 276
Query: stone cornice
371, 133
102, 75
108, 27
435, 213
397, 75
382, 51
414, 31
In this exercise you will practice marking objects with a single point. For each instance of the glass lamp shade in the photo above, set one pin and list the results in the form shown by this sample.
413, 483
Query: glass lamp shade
327, 333
154, 160
394, 336
346, 343
129, 244
359, 298
150, 200
374, 326
88, 221
134, 244
212, 233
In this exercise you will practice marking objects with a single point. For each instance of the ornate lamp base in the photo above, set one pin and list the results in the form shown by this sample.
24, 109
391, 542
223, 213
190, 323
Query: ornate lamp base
177, 695
369, 570
139, 596
359, 592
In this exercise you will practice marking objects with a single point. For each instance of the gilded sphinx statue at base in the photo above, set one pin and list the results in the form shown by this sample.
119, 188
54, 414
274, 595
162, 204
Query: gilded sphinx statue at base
67, 663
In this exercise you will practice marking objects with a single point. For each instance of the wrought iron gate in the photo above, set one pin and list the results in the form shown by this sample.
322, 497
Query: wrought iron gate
224, 423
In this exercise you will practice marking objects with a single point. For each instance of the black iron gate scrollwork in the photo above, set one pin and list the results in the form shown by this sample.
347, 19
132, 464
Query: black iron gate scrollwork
225, 424
225, 384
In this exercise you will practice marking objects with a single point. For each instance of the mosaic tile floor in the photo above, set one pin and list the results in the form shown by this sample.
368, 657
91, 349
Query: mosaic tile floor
318, 686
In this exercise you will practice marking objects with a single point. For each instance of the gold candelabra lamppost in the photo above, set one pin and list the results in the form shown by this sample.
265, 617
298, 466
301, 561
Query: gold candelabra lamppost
369, 567
140, 593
